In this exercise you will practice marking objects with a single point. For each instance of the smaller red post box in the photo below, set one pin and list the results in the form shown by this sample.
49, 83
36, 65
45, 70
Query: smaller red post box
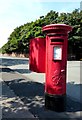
37, 55
56, 60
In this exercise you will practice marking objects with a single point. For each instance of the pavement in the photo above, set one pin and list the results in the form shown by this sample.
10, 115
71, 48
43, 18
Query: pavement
23, 93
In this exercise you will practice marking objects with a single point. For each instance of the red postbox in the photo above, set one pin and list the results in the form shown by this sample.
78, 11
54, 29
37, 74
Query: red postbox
56, 60
37, 55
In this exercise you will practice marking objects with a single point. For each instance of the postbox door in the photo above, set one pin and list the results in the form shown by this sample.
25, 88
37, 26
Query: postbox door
55, 75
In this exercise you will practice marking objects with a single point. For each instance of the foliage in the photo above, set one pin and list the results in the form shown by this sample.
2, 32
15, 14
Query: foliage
19, 39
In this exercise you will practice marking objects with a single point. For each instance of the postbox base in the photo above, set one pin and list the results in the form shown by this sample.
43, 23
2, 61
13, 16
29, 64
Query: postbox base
55, 102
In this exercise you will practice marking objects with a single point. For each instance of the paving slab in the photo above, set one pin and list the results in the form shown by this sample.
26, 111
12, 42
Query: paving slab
11, 104
29, 87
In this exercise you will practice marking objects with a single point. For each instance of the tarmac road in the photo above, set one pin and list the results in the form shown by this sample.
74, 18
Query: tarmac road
22, 79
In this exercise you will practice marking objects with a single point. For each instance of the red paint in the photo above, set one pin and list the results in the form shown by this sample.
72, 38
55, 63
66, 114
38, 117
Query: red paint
57, 35
37, 55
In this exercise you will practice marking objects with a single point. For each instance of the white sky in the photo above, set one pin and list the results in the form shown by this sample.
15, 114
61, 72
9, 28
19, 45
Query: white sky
14, 13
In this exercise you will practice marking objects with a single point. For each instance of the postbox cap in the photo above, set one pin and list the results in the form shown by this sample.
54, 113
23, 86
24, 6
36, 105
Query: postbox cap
54, 27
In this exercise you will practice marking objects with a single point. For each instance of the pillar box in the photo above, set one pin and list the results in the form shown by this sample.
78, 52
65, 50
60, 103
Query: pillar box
37, 55
56, 60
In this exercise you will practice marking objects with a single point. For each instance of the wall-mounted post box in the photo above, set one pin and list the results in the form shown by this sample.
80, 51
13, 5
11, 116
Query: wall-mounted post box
37, 55
56, 60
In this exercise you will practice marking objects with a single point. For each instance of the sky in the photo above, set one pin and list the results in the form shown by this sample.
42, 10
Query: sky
14, 13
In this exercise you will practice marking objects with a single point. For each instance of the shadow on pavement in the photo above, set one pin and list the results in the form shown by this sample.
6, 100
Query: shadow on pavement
11, 62
32, 94
12, 107
6, 70
22, 71
74, 90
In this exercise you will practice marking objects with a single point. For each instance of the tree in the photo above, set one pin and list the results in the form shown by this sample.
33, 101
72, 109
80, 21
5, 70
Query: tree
19, 39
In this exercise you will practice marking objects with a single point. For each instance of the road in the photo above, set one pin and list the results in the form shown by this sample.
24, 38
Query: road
74, 79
